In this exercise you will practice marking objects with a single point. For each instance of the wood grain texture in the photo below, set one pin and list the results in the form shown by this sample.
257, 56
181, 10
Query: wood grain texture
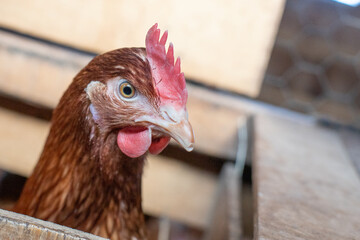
351, 142
305, 185
225, 220
178, 191
35, 71
17, 226
223, 44
21, 141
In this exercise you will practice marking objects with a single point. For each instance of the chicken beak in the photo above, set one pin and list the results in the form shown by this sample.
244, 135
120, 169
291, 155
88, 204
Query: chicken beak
173, 124
182, 132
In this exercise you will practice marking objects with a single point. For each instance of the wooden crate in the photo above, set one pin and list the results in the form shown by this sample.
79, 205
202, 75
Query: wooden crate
305, 183
16, 226
305, 186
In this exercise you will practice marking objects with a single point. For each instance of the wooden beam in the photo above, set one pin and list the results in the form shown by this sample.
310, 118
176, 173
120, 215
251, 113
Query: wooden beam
178, 191
17, 226
226, 45
351, 140
225, 219
37, 72
305, 184
21, 142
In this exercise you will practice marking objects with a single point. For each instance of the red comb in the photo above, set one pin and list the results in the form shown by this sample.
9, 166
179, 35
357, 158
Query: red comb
167, 76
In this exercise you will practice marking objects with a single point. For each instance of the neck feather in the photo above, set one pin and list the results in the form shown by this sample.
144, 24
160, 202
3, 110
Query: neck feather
82, 179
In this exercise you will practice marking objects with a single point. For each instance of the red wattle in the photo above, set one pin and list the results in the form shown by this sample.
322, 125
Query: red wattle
158, 145
134, 141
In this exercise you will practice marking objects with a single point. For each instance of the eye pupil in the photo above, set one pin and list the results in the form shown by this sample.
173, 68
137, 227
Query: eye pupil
127, 90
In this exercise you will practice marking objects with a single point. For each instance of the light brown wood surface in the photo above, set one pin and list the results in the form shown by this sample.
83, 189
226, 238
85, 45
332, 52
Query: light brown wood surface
351, 140
35, 71
223, 44
178, 191
14, 226
305, 185
225, 220
21, 141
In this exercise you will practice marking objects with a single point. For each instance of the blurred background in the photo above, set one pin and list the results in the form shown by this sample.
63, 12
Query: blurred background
295, 58
314, 64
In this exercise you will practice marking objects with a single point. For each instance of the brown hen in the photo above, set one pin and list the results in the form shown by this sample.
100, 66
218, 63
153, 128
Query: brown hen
123, 104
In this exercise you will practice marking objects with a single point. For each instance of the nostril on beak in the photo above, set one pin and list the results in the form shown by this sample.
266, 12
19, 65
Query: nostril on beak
169, 116
172, 115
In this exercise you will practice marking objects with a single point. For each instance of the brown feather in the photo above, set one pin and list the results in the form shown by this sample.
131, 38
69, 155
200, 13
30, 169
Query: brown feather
82, 179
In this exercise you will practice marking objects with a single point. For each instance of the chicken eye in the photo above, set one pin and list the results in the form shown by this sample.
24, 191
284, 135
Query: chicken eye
127, 90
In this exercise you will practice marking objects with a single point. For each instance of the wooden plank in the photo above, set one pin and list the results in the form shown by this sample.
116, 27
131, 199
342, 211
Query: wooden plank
227, 211
351, 140
21, 141
231, 51
17, 226
225, 220
171, 188
37, 72
178, 191
305, 185
214, 127
47, 70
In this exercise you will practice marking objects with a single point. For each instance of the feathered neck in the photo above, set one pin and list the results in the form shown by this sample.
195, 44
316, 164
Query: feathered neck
82, 180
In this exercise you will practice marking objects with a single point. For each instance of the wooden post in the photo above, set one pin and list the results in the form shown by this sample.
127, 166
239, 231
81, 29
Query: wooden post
17, 226
305, 185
